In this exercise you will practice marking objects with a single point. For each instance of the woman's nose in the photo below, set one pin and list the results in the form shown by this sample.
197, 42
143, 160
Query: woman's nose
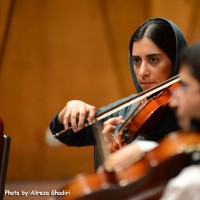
144, 70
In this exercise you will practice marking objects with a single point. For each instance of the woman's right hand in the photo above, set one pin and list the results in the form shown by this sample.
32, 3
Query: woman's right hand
76, 110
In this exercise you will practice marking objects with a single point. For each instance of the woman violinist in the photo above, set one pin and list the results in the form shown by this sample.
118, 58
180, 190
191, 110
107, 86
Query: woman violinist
153, 58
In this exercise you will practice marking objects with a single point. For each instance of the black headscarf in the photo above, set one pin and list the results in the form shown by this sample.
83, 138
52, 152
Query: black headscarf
180, 43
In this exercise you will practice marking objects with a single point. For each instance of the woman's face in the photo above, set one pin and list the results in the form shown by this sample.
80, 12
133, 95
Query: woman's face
151, 65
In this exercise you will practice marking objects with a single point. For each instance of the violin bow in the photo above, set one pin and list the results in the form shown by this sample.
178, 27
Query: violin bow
128, 102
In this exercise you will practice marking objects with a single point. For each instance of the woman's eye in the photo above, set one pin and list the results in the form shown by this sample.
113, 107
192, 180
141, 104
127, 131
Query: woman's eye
153, 60
136, 60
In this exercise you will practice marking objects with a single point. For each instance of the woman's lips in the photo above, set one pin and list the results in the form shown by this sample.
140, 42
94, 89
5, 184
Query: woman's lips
147, 84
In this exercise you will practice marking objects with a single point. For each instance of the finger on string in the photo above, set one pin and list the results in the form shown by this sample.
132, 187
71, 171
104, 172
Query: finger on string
108, 129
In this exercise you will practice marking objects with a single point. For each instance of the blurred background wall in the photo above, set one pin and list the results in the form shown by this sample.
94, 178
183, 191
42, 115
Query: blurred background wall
55, 51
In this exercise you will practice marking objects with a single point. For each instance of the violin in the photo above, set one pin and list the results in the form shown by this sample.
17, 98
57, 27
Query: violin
145, 116
139, 126
146, 178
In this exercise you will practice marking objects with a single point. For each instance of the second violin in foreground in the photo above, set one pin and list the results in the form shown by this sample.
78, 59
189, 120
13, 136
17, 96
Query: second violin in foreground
135, 181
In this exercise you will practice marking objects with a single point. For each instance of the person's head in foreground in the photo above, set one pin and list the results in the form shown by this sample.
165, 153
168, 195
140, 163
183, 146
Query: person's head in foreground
186, 99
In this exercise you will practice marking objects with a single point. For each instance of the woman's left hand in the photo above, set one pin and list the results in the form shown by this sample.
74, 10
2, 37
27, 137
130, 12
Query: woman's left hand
108, 130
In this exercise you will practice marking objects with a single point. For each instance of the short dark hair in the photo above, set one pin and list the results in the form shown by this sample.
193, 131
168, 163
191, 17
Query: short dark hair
190, 57
161, 33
